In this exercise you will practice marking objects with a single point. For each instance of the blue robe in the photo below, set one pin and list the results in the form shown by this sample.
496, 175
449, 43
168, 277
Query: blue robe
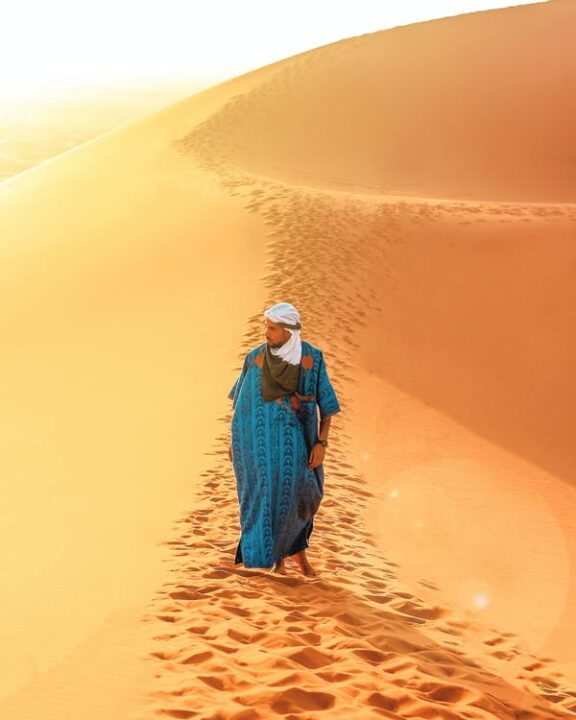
277, 491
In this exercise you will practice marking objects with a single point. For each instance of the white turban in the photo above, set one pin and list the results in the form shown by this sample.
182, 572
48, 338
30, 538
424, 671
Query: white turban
286, 315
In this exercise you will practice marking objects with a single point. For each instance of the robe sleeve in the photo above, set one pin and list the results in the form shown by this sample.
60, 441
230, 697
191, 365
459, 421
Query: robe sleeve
325, 395
235, 389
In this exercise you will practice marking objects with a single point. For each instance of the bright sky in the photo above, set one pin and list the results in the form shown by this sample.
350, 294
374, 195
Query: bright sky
46, 46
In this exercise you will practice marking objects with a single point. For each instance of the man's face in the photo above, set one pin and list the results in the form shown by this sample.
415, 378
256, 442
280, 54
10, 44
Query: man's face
276, 335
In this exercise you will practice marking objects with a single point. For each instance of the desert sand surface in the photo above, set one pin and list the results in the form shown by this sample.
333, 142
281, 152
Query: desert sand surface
35, 128
389, 186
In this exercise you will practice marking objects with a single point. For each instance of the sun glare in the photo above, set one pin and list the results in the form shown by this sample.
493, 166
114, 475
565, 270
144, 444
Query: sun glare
63, 44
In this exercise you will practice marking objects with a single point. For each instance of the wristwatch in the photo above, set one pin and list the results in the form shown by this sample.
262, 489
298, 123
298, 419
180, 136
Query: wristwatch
322, 442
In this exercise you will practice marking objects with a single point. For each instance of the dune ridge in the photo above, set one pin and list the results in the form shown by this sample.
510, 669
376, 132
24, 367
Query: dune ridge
393, 228
452, 108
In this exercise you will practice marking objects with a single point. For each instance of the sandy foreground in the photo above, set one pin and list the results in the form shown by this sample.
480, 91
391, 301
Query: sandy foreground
381, 184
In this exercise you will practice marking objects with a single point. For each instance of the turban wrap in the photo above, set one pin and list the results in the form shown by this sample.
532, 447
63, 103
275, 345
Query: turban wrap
281, 367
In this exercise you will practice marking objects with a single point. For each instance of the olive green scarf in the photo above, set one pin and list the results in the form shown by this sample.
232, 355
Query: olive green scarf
279, 377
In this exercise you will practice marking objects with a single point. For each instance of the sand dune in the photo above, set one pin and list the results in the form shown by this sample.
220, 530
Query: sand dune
432, 259
475, 107
355, 642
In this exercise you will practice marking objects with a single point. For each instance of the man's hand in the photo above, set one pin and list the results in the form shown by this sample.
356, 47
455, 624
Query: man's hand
316, 456
230, 451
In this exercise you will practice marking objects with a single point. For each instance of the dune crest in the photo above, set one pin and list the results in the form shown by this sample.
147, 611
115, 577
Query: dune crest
453, 108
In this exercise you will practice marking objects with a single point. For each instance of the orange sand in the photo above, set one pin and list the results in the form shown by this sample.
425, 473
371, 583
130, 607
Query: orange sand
411, 192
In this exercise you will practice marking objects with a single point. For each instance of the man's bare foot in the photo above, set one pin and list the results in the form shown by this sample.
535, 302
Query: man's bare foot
304, 564
279, 568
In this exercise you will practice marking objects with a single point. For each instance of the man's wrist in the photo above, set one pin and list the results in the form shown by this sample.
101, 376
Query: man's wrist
324, 443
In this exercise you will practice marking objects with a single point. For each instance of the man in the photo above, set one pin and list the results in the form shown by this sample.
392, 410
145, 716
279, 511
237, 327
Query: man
276, 447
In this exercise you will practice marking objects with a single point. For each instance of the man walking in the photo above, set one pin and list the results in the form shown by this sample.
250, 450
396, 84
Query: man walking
276, 447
